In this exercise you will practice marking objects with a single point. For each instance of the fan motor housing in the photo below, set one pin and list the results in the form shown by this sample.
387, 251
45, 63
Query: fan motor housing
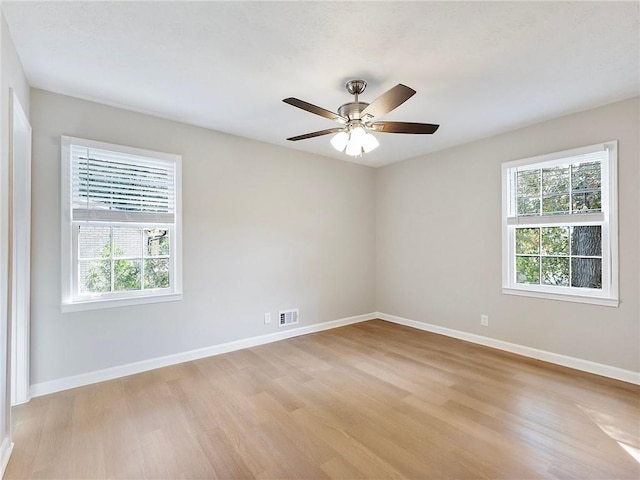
352, 110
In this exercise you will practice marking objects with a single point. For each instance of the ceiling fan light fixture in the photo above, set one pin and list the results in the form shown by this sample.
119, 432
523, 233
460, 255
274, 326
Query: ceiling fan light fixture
360, 141
340, 140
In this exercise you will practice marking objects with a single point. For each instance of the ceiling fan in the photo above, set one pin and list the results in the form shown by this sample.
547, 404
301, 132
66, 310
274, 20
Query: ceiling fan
358, 119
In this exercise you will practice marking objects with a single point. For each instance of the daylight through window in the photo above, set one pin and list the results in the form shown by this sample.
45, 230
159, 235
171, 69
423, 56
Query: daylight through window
121, 229
559, 225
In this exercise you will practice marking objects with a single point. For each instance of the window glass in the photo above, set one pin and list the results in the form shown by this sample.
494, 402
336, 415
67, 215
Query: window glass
120, 225
558, 238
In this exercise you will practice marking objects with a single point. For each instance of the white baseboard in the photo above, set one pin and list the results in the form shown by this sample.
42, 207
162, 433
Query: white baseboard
5, 454
74, 381
571, 362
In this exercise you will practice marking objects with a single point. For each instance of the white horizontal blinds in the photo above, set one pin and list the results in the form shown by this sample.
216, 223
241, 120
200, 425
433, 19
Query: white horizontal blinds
116, 187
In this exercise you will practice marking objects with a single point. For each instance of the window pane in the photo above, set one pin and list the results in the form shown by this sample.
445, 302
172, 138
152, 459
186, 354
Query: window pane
528, 183
527, 240
586, 202
555, 180
94, 242
156, 242
555, 241
528, 270
586, 272
156, 273
528, 192
127, 242
128, 275
528, 205
555, 204
95, 276
555, 271
585, 176
586, 241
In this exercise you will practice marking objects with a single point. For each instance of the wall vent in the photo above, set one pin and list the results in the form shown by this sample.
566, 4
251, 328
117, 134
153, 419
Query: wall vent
288, 317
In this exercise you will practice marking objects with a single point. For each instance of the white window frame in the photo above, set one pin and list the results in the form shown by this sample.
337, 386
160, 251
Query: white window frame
71, 299
608, 219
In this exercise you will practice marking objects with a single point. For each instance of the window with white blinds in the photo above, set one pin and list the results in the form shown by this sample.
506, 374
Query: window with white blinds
120, 225
112, 186
560, 225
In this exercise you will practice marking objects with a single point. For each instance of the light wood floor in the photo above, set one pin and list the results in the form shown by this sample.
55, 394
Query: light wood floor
372, 400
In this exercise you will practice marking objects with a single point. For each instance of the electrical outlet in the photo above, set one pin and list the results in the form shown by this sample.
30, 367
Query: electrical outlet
484, 320
267, 318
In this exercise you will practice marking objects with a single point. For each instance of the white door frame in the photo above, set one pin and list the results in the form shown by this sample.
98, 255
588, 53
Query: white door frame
20, 205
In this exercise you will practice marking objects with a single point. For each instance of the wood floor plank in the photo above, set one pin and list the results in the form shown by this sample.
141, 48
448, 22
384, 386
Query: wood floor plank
370, 400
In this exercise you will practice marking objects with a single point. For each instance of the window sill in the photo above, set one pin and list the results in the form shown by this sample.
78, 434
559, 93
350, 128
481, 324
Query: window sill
607, 302
118, 302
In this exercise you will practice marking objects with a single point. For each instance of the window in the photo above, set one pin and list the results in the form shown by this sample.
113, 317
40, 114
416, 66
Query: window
560, 225
120, 225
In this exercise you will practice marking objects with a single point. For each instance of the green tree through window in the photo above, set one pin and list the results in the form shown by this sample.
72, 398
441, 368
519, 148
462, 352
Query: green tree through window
128, 272
560, 225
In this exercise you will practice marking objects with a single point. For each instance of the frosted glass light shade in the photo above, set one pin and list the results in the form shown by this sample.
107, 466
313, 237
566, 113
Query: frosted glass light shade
354, 149
339, 141
358, 135
369, 143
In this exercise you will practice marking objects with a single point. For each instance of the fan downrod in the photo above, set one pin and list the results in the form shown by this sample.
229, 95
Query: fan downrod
352, 110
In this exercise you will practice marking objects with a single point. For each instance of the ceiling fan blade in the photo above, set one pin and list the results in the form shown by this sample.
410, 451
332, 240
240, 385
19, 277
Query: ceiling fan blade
389, 100
404, 127
315, 134
315, 109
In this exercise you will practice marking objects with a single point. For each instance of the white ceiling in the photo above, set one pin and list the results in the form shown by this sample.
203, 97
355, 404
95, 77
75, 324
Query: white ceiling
479, 68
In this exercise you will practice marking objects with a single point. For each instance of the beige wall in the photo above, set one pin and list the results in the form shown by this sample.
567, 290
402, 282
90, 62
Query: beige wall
12, 77
265, 228
439, 242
